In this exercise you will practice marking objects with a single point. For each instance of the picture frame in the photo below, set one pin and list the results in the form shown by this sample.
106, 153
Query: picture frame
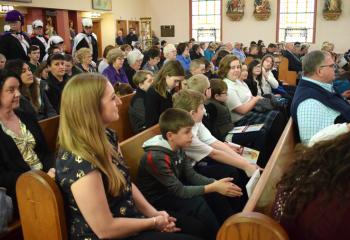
105, 5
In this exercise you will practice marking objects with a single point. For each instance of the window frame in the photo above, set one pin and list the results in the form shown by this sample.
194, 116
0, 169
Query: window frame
278, 22
190, 28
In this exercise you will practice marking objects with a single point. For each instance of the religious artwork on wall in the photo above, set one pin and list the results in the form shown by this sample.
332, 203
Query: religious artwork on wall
332, 9
262, 10
105, 5
235, 9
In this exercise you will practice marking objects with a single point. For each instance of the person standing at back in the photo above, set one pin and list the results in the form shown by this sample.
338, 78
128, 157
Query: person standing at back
38, 38
15, 43
86, 39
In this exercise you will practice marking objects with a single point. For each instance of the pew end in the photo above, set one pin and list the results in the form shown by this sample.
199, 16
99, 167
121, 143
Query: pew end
41, 207
50, 129
251, 226
132, 149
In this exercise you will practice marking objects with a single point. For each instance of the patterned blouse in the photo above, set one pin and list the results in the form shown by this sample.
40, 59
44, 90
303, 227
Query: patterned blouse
70, 168
25, 144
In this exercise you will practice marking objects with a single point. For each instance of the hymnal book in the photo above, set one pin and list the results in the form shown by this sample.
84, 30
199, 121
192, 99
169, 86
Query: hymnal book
249, 154
252, 182
248, 128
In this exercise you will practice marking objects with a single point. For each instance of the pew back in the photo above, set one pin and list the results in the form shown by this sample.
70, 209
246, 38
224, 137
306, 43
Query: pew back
50, 130
132, 148
122, 126
41, 207
283, 69
254, 222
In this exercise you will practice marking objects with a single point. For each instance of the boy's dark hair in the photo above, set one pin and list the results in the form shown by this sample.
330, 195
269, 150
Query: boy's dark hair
55, 57
123, 89
68, 58
218, 86
173, 119
51, 49
153, 52
163, 42
181, 48
33, 48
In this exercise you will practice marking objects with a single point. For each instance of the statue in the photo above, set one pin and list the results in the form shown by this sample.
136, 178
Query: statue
50, 31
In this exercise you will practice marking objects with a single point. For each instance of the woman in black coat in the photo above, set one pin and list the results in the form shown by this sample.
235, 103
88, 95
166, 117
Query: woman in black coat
22, 143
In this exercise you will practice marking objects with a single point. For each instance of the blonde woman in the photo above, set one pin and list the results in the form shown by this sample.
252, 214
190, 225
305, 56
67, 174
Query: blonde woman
84, 58
101, 200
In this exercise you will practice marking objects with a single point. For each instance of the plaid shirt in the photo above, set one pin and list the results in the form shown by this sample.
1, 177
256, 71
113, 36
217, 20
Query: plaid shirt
313, 116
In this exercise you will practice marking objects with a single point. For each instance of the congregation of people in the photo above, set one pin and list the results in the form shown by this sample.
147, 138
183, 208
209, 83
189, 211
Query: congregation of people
191, 177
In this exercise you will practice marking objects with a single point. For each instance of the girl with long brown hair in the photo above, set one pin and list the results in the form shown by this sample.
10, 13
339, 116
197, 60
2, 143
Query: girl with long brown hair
34, 99
159, 96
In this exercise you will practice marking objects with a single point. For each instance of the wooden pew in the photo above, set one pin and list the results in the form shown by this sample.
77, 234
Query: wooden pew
283, 69
132, 148
50, 129
123, 126
254, 222
41, 207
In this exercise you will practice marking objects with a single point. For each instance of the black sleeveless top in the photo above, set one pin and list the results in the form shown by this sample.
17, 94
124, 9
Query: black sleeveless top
70, 168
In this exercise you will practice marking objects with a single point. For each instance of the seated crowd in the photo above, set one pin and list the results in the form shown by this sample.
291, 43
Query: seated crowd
191, 177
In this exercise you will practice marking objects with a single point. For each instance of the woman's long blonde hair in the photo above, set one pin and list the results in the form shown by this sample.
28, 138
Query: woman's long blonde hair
81, 129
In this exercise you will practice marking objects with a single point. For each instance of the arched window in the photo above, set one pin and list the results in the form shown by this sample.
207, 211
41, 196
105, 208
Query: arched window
205, 20
296, 20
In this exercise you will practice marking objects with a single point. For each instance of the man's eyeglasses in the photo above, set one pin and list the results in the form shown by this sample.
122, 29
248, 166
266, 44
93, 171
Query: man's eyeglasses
334, 66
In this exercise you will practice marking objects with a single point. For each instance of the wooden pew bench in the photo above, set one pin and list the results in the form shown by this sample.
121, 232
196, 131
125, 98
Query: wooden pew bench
255, 221
121, 126
40, 201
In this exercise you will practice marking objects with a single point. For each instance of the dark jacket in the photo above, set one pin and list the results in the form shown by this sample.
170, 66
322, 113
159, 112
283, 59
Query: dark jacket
84, 44
131, 38
54, 90
294, 63
137, 111
12, 48
35, 41
306, 90
155, 104
130, 72
12, 164
120, 40
220, 118
163, 172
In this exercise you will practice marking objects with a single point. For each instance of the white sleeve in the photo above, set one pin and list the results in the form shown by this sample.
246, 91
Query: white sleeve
204, 135
198, 150
233, 100
272, 80
328, 133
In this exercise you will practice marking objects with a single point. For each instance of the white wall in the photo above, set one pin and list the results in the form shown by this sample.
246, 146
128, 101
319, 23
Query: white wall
176, 12
170, 12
